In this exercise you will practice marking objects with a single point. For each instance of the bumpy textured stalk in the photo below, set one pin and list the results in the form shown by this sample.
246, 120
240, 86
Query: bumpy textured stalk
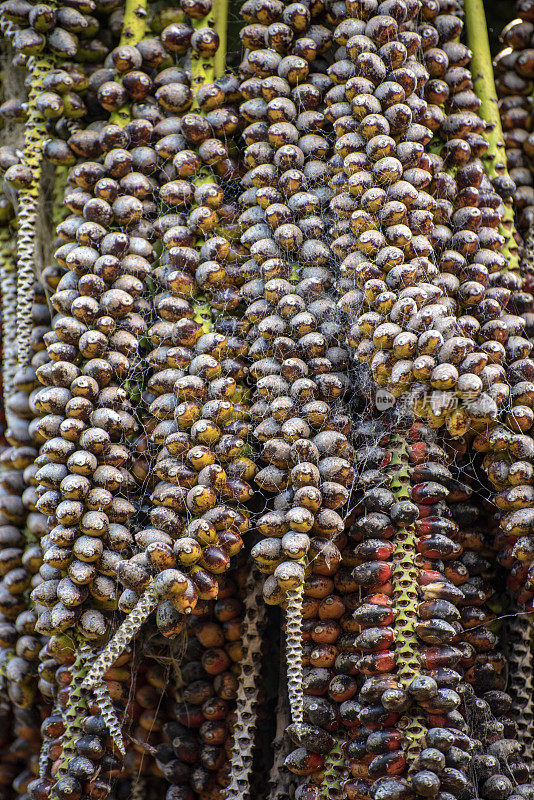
4, 660
8, 281
43, 760
76, 710
122, 638
247, 695
484, 85
7, 28
134, 23
59, 211
280, 778
32, 154
404, 579
294, 653
527, 260
331, 785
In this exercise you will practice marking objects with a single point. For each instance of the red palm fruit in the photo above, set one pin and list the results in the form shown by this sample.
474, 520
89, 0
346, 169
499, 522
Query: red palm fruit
374, 550
376, 717
442, 656
303, 762
372, 574
374, 640
438, 546
431, 525
387, 764
376, 663
427, 576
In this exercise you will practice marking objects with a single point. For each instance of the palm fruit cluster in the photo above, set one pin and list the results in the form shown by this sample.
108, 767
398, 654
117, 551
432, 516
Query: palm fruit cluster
266, 452
208, 693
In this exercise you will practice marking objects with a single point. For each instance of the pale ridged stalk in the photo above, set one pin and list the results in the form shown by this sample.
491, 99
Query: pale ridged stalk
26, 275
105, 704
7, 28
139, 788
8, 283
44, 758
247, 692
122, 638
294, 654
280, 779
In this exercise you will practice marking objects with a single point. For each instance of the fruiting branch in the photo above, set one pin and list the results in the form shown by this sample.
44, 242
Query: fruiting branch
121, 639
294, 654
484, 85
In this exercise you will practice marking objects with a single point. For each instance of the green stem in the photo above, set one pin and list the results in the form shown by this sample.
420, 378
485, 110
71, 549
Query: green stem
75, 712
484, 85
134, 23
133, 31
35, 135
221, 26
203, 69
482, 67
